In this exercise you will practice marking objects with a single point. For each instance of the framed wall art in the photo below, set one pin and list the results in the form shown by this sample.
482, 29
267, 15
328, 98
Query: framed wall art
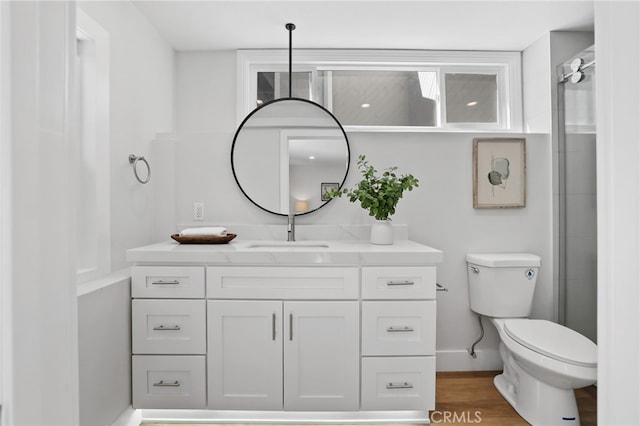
499, 173
325, 187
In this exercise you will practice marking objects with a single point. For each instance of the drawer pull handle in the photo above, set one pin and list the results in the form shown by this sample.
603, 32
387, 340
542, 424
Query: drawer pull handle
161, 383
403, 385
164, 328
402, 329
399, 282
163, 282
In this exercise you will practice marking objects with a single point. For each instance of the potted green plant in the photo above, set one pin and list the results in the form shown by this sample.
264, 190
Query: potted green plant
379, 195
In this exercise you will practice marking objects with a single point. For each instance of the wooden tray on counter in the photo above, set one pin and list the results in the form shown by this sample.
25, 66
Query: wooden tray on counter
203, 239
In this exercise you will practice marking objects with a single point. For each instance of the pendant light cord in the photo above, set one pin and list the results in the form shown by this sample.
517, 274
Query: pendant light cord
290, 27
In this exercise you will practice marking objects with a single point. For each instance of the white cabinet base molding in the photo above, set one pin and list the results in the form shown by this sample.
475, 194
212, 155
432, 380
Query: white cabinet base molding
286, 417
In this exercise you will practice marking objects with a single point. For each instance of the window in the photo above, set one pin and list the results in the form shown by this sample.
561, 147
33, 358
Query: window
275, 85
392, 90
382, 98
93, 229
471, 98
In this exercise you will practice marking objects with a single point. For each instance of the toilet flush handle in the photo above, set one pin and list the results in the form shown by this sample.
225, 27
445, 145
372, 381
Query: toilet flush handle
474, 269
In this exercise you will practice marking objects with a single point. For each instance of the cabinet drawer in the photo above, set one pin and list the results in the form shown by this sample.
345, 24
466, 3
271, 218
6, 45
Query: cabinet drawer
168, 381
406, 383
228, 282
174, 282
168, 326
399, 328
413, 282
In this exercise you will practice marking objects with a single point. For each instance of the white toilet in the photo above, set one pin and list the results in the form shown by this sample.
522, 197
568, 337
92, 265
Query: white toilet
543, 361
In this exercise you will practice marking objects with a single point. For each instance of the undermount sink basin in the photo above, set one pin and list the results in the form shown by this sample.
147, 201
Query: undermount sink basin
287, 244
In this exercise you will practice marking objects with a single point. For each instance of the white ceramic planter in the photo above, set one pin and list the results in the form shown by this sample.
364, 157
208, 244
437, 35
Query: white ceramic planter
381, 232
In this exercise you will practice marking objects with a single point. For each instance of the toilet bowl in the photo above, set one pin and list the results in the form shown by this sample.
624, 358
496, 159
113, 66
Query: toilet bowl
543, 361
541, 373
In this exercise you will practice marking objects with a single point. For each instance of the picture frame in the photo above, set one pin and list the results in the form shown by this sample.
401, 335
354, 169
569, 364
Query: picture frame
325, 187
499, 173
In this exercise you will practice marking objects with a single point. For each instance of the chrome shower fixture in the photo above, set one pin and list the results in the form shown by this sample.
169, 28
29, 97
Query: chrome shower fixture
577, 70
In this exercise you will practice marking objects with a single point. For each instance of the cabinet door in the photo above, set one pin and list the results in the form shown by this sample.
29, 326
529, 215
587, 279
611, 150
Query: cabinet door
321, 356
244, 354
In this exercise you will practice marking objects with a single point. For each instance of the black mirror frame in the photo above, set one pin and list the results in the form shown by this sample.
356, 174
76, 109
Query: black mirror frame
235, 137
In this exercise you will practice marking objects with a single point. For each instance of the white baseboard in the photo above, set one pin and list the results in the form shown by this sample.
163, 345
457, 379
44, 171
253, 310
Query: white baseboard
460, 360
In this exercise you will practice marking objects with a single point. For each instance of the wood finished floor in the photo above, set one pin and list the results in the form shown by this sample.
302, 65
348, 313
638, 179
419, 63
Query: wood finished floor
474, 391
468, 393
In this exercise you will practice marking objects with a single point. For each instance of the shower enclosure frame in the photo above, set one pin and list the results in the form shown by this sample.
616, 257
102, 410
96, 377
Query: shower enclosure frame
573, 72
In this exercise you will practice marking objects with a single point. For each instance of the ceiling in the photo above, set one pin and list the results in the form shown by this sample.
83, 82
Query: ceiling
363, 24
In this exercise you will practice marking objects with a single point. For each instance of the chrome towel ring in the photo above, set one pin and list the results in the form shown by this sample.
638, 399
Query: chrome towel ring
133, 160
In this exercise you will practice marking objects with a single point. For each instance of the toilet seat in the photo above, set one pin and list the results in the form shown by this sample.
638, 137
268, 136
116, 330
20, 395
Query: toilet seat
553, 340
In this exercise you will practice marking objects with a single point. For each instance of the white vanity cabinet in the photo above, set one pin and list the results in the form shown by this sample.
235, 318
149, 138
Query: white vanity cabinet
284, 335
260, 352
398, 338
168, 337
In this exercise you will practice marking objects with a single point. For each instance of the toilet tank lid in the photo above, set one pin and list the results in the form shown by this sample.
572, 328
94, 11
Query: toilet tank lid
504, 260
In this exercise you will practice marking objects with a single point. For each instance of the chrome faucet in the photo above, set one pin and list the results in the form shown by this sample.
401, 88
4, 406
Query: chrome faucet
291, 227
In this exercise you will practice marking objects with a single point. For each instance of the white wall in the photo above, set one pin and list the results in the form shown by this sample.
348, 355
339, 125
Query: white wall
439, 213
142, 105
104, 348
39, 333
617, 28
205, 92
40, 340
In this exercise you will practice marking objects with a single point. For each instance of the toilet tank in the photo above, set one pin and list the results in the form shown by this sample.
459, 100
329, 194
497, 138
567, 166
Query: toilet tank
501, 285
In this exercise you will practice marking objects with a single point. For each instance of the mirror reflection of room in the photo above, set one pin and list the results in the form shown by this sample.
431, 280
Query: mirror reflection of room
284, 151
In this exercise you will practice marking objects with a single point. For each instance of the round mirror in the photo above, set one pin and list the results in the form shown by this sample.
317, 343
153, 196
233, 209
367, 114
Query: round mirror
287, 153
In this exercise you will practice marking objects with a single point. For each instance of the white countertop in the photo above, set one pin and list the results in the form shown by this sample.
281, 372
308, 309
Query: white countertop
271, 252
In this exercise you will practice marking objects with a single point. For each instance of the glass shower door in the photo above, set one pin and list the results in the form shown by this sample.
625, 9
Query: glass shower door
577, 195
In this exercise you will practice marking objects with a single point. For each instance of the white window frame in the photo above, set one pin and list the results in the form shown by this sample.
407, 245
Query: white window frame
502, 83
253, 83
507, 65
97, 131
